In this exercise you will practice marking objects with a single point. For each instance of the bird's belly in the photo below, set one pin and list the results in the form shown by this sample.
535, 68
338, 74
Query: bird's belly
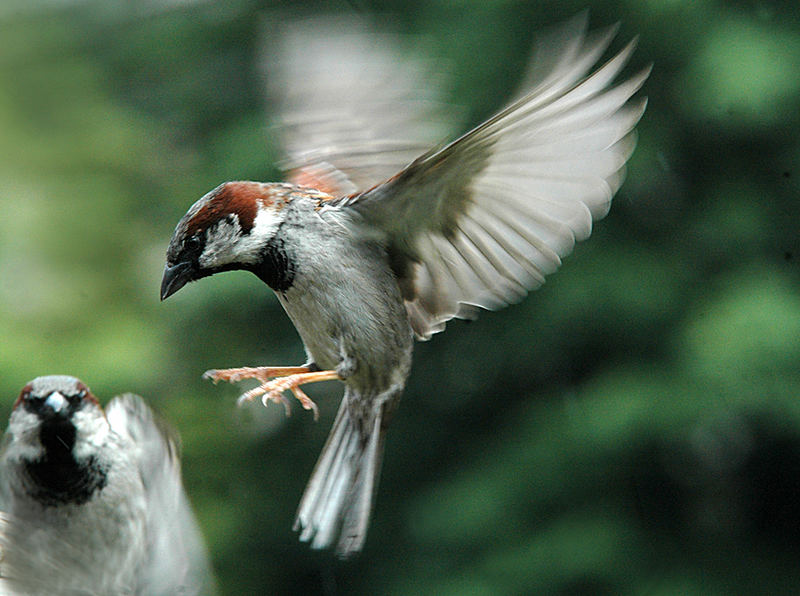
315, 327
370, 342
97, 548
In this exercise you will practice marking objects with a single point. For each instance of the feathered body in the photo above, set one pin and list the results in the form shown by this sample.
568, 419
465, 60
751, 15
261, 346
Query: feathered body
366, 251
92, 503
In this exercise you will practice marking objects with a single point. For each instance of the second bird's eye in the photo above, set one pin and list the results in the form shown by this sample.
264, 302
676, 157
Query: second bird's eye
34, 401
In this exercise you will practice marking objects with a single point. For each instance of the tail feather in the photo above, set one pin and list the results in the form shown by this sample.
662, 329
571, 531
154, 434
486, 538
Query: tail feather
356, 520
337, 502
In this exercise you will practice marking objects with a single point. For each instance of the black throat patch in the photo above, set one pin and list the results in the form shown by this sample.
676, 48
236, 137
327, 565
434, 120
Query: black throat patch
276, 268
57, 478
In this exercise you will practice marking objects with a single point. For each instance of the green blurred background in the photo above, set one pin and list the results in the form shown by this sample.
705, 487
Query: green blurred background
633, 427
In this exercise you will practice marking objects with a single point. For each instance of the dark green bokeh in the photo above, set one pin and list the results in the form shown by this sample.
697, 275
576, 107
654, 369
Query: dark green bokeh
631, 428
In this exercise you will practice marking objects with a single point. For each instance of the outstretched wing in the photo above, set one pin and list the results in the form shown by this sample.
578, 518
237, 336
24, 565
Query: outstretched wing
177, 559
352, 107
481, 221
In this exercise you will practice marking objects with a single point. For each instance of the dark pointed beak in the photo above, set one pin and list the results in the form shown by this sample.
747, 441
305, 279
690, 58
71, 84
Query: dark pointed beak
175, 277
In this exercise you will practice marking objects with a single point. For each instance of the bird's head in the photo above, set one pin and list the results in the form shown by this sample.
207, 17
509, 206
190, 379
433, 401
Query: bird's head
53, 413
229, 228
56, 433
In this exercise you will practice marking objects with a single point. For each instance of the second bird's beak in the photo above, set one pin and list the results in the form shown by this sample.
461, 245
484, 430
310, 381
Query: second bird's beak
175, 277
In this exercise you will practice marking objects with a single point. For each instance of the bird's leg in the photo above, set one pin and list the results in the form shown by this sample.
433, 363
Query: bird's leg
288, 377
262, 373
273, 390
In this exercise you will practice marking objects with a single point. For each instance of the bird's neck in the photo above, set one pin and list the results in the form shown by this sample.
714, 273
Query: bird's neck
57, 477
276, 268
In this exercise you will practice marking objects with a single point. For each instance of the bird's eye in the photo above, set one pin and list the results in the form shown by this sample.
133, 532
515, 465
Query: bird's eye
82, 394
192, 243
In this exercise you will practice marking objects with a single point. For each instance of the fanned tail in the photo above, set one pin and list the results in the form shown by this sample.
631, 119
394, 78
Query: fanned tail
337, 502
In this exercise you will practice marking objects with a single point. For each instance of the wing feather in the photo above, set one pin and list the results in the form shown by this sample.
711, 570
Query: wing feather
177, 559
352, 99
484, 219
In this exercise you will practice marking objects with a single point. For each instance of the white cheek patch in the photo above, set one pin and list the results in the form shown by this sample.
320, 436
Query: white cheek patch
91, 431
23, 427
266, 224
226, 244
220, 244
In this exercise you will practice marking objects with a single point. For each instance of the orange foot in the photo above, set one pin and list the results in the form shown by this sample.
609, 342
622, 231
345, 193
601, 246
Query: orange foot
288, 377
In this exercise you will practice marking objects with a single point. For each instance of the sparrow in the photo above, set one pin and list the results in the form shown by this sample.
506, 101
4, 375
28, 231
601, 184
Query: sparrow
92, 502
374, 241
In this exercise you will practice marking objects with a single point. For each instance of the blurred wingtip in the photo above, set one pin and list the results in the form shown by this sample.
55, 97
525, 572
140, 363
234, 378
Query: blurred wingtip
352, 102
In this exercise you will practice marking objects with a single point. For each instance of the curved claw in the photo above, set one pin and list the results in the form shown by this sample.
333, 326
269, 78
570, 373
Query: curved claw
277, 396
305, 401
211, 375
288, 378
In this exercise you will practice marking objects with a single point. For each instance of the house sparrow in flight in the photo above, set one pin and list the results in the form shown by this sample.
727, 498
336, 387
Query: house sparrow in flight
92, 502
377, 239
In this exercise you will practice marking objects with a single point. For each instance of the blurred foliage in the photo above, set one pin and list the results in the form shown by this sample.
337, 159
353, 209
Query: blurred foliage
631, 428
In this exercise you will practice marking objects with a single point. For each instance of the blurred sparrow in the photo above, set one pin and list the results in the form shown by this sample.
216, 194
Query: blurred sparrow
92, 502
377, 239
